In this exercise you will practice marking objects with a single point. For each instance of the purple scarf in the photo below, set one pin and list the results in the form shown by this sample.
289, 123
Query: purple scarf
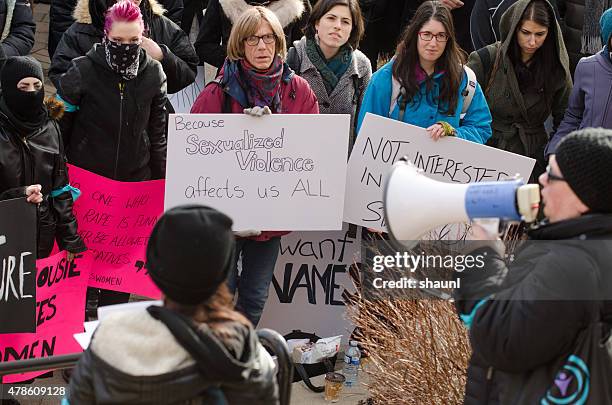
262, 88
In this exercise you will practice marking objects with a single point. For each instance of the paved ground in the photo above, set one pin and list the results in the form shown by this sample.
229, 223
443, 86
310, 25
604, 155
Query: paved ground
41, 17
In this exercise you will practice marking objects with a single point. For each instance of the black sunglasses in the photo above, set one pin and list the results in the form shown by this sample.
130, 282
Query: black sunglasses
551, 176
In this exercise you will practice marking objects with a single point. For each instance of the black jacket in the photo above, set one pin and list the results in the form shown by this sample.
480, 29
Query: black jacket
38, 158
61, 18
179, 62
525, 315
220, 16
119, 135
19, 39
573, 12
134, 359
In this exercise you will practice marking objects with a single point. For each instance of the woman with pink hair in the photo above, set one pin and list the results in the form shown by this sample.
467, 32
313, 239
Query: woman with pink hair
115, 99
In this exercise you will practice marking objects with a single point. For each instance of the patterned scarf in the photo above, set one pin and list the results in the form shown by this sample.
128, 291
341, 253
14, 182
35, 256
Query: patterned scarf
331, 70
591, 31
262, 88
123, 59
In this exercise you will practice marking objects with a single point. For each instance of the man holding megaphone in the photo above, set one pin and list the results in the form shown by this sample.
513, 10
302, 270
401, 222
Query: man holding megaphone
539, 325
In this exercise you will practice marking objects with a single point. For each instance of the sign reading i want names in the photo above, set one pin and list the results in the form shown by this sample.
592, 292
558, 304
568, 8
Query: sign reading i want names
275, 173
383, 141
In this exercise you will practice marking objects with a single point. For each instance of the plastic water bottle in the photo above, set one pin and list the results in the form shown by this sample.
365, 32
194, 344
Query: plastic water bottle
351, 365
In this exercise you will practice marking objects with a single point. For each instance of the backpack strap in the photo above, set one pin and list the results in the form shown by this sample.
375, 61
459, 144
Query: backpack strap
212, 359
468, 91
396, 92
226, 104
10, 9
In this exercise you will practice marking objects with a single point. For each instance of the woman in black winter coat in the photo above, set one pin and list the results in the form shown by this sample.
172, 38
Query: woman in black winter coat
221, 15
525, 315
115, 111
31, 153
115, 99
164, 41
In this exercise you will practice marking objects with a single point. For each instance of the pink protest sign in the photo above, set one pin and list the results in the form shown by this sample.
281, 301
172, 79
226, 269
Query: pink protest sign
60, 312
115, 220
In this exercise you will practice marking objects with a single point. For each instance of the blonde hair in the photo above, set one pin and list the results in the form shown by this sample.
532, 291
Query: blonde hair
247, 25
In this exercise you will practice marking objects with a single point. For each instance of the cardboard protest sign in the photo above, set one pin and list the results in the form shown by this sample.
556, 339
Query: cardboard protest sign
383, 141
310, 277
183, 100
278, 172
115, 220
17, 266
60, 311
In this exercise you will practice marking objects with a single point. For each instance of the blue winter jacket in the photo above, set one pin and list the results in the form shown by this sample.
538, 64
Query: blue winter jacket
475, 127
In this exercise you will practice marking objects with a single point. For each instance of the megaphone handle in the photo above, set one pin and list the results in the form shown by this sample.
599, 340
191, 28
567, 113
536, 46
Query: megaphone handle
491, 225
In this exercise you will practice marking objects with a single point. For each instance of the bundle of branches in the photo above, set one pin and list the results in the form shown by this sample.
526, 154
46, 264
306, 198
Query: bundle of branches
418, 348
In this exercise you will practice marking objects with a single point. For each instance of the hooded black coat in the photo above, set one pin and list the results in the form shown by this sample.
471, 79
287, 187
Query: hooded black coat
38, 158
537, 305
119, 135
221, 15
179, 62
61, 18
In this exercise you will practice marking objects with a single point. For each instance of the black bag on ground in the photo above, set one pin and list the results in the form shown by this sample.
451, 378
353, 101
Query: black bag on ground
304, 372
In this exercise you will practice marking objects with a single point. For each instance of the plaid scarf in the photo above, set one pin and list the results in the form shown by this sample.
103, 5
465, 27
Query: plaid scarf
262, 88
591, 32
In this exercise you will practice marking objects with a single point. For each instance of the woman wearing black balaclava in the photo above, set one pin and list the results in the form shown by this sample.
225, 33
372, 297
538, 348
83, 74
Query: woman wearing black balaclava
32, 163
115, 99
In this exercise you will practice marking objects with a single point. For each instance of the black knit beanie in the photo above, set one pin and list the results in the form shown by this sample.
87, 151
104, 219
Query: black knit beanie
190, 253
585, 160
20, 67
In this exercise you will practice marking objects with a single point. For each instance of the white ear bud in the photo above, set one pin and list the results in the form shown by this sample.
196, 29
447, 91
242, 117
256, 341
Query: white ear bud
2, 239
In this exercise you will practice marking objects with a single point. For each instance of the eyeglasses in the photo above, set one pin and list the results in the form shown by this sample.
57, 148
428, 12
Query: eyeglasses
551, 176
254, 39
428, 36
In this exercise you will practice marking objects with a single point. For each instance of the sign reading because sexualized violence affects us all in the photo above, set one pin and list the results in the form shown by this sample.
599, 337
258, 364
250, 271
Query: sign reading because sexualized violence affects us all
383, 141
311, 278
17, 266
60, 310
277, 172
115, 220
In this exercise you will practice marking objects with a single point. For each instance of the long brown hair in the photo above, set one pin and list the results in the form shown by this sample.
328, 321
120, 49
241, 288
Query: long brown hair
451, 61
216, 312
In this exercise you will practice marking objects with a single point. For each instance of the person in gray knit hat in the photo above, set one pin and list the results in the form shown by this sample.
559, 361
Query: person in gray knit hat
526, 315
141, 356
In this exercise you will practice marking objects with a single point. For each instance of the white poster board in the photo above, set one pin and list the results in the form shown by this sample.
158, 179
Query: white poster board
311, 274
277, 172
383, 141
183, 100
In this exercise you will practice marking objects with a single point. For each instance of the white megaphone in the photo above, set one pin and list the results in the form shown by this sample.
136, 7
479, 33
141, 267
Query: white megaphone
415, 204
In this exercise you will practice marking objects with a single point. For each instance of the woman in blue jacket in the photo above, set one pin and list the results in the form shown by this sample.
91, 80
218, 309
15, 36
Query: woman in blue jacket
425, 84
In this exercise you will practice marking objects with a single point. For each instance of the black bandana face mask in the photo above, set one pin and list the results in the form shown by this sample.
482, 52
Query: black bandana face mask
122, 58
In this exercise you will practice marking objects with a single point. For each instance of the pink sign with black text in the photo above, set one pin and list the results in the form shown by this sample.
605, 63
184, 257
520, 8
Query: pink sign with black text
115, 220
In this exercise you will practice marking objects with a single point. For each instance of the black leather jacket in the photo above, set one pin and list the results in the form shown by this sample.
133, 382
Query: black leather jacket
38, 158
115, 133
